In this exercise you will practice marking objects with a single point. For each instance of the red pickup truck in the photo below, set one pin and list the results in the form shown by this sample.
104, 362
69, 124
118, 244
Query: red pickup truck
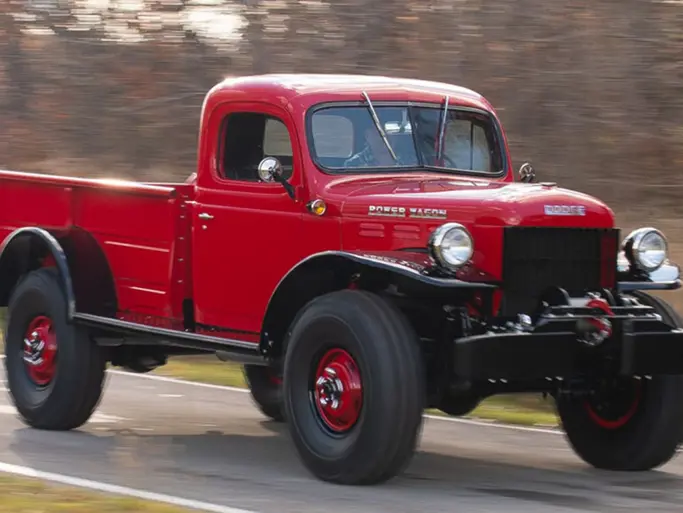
363, 247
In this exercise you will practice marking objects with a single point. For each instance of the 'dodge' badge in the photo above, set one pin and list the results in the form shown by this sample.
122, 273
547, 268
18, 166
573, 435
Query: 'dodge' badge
564, 210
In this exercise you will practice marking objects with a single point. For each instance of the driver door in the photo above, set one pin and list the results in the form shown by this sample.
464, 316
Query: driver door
245, 231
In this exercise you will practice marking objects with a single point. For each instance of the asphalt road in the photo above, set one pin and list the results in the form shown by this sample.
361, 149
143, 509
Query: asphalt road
212, 445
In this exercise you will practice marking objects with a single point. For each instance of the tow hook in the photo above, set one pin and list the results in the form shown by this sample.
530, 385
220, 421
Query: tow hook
593, 331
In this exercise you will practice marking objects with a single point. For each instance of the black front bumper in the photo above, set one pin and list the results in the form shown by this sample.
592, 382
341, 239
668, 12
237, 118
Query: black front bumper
641, 344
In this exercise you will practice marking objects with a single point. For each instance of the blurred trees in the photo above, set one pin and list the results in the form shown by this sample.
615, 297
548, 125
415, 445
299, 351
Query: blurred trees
589, 91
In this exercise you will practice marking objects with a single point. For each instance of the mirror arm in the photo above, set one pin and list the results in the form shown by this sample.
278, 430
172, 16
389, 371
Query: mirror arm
288, 186
270, 170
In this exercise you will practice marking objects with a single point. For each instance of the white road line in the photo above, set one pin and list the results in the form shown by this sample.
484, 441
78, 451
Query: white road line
117, 490
97, 418
177, 381
470, 422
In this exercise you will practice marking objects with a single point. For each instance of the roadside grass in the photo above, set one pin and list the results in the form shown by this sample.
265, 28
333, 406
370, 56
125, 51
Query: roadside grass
522, 409
26, 495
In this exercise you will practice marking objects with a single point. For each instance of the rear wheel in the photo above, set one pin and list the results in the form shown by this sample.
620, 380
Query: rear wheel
353, 388
265, 386
55, 373
628, 424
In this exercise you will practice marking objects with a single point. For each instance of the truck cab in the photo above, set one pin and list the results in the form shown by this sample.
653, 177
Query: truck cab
363, 246
322, 149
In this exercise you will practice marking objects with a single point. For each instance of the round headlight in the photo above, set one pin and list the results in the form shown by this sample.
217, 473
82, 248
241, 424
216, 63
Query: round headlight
451, 245
646, 249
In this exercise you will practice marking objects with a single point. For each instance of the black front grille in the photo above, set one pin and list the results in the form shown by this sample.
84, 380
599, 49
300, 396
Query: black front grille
534, 259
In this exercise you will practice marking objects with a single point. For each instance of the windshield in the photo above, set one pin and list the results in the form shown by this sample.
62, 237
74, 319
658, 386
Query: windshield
346, 139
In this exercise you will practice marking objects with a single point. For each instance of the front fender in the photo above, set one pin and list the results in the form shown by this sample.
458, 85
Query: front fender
328, 271
405, 263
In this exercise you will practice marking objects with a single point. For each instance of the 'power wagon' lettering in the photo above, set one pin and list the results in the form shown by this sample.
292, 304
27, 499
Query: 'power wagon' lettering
415, 212
428, 213
377, 210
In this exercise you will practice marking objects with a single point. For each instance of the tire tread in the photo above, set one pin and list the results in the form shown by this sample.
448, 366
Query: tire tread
398, 361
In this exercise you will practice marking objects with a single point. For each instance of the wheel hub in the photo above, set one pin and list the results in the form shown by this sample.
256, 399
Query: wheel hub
613, 405
330, 389
338, 390
40, 350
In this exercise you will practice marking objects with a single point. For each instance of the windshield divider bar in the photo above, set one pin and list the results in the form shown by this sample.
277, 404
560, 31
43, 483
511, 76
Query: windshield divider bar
442, 129
379, 126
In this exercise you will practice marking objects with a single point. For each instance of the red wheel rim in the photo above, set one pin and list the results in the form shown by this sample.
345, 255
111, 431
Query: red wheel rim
274, 378
40, 351
338, 390
609, 415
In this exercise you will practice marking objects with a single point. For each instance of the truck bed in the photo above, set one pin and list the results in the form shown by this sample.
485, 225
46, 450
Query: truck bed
143, 230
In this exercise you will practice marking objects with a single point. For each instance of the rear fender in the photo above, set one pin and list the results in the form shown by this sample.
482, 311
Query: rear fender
87, 280
23, 251
329, 271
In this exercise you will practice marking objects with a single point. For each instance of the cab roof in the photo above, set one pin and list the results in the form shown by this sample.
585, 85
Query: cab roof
307, 90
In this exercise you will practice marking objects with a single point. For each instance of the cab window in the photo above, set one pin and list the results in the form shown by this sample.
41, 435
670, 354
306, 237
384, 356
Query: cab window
249, 137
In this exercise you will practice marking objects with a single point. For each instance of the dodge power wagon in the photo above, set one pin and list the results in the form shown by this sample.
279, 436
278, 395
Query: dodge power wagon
363, 247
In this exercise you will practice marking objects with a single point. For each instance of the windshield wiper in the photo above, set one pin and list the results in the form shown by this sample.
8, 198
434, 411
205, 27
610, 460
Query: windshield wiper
442, 129
379, 127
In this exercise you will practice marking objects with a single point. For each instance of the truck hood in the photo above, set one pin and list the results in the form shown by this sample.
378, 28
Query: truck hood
471, 202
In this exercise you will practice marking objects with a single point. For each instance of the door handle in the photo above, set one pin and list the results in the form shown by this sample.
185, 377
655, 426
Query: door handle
204, 215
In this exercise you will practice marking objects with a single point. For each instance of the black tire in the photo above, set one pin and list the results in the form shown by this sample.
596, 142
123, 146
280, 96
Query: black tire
650, 431
73, 393
385, 348
265, 390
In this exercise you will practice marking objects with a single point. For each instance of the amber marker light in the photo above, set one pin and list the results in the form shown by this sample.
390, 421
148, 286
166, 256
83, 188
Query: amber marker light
317, 207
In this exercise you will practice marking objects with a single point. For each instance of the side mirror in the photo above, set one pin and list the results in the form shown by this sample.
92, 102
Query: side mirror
270, 170
527, 173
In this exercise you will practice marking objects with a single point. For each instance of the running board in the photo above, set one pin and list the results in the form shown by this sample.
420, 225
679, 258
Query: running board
234, 350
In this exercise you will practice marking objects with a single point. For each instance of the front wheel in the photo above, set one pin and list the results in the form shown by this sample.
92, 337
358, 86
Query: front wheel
627, 423
353, 388
55, 373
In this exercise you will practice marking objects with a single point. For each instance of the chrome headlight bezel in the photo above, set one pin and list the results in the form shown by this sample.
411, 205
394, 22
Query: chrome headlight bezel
632, 246
436, 245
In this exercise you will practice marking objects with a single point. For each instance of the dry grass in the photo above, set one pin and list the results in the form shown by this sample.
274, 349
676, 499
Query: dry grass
23, 495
